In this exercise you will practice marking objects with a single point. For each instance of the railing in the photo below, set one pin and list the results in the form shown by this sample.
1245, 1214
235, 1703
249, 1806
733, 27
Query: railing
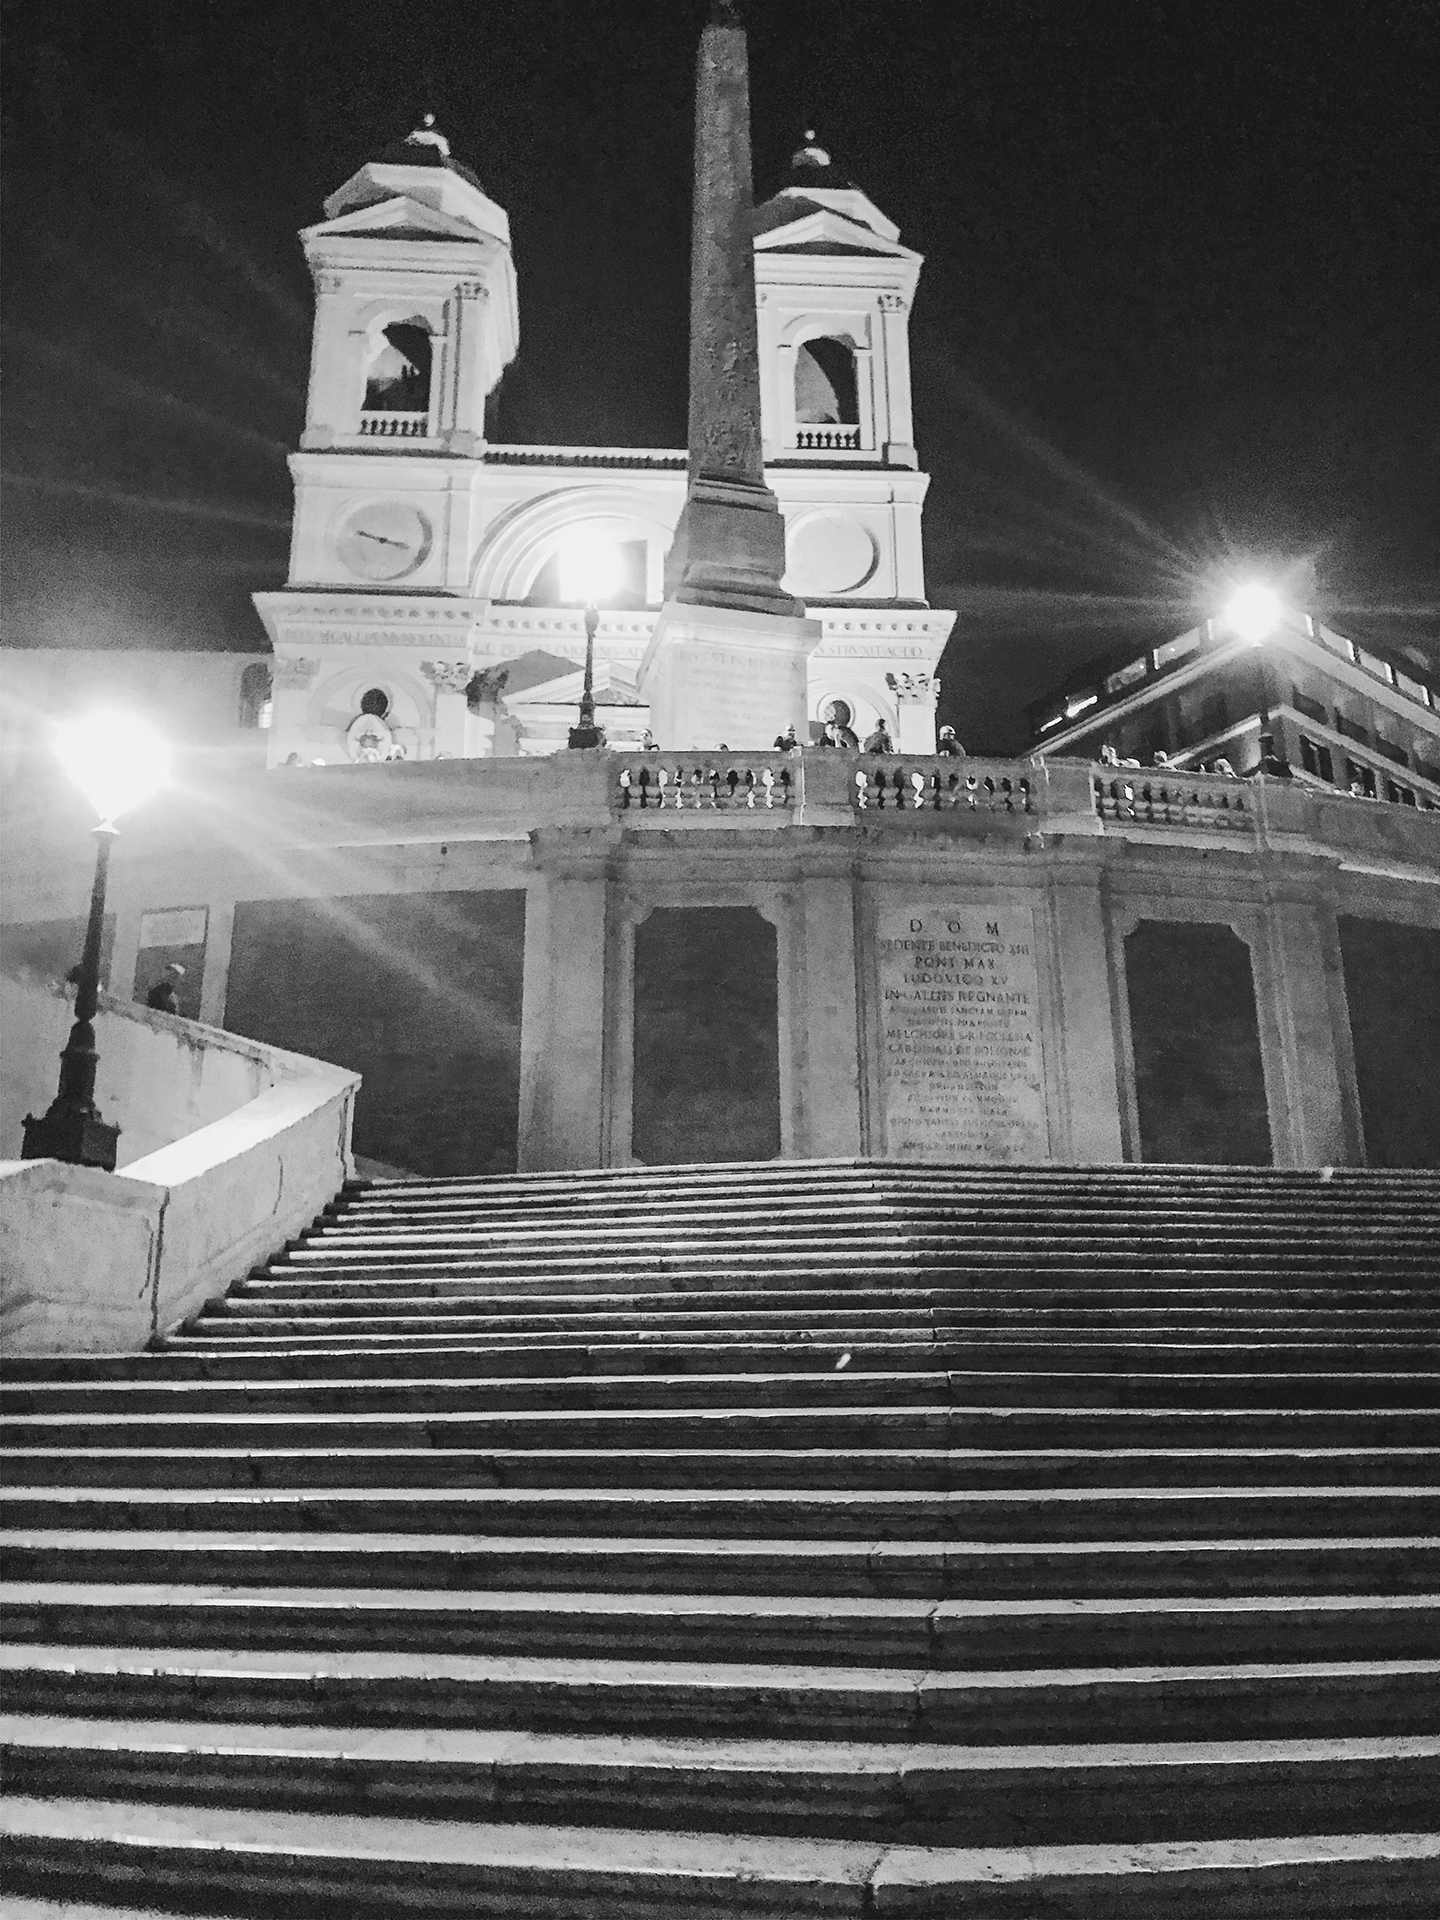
685, 783
942, 785
1174, 800
395, 426
828, 439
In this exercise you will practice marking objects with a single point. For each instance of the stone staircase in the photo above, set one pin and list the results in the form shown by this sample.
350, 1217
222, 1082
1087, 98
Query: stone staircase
785, 1540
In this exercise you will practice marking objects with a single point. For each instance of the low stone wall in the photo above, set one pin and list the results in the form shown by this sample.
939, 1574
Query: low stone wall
94, 1262
159, 1078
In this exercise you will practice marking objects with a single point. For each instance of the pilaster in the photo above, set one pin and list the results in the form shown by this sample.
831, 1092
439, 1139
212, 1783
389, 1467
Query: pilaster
829, 1054
1310, 1018
562, 1034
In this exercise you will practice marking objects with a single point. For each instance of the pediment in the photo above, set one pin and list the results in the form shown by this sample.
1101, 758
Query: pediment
402, 218
817, 229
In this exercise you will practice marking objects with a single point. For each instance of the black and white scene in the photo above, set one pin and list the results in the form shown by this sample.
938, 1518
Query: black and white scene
720, 960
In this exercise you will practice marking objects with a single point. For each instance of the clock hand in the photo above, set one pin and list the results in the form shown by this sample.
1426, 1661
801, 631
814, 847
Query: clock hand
381, 538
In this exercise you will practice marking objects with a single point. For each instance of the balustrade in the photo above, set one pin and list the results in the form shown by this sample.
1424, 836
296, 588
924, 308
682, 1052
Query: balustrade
942, 785
828, 439
685, 783
1174, 800
395, 426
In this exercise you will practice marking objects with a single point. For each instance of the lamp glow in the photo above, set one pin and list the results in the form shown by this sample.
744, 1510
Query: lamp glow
589, 569
117, 760
1253, 611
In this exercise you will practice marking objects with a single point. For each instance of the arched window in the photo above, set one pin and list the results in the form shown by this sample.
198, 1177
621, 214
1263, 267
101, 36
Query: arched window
397, 379
256, 685
825, 388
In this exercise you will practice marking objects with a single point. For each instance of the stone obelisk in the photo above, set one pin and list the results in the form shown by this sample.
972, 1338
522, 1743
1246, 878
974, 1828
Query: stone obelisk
727, 661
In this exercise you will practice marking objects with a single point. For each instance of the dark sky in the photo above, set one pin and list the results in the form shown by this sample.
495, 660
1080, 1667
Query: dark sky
1181, 301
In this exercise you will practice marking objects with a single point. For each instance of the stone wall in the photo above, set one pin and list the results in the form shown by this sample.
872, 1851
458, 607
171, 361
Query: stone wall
1087, 1005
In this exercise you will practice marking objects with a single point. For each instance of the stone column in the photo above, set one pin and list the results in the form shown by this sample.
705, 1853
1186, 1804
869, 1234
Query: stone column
464, 432
915, 698
1085, 1034
449, 679
1316, 1064
562, 1036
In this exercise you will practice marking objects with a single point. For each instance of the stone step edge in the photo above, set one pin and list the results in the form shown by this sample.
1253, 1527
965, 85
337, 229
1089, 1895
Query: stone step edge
629, 1752
563, 1602
660, 1857
590, 1673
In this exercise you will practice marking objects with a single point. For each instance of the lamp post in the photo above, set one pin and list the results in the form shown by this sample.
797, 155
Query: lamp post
587, 734
589, 573
1253, 612
116, 761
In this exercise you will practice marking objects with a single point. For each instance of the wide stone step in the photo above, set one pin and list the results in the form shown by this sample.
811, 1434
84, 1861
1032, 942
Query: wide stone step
243, 1320
1020, 1515
338, 1867
943, 1795
873, 1568
874, 1426
876, 1469
821, 1381
1085, 1306
788, 1629
1246, 1700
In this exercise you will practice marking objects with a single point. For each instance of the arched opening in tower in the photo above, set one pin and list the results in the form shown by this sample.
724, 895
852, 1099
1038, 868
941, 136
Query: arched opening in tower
397, 379
825, 387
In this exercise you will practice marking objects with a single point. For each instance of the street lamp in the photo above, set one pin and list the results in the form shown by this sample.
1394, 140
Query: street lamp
589, 573
117, 761
1254, 611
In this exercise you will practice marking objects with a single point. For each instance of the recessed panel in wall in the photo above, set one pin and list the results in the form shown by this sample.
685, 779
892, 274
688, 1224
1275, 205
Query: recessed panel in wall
418, 992
707, 1072
962, 1077
1392, 984
1199, 1072
174, 936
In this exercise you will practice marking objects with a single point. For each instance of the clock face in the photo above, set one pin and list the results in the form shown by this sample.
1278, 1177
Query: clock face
384, 540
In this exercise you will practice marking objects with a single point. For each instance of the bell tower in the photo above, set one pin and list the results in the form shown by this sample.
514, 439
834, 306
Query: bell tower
415, 321
415, 311
834, 287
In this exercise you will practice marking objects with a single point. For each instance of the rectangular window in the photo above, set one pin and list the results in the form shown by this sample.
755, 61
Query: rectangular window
1127, 676
1174, 650
1372, 663
1316, 759
1416, 689
1311, 708
1351, 729
1391, 751
1361, 778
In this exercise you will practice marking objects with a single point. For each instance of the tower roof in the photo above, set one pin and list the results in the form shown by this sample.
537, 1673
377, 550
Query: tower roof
814, 184
426, 146
811, 166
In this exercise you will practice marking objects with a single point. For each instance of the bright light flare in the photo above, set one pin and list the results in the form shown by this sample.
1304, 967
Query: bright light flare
1253, 611
117, 760
589, 569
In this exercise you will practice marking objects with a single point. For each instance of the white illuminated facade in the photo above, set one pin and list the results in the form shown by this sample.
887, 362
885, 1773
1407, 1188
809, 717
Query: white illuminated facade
427, 611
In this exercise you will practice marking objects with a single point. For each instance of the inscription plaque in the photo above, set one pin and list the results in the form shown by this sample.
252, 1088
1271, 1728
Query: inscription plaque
959, 1035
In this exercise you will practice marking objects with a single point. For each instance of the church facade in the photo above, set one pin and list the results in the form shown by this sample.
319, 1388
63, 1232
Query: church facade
428, 612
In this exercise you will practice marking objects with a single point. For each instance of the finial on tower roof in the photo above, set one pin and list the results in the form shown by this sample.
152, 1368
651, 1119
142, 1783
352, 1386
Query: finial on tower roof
426, 136
810, 155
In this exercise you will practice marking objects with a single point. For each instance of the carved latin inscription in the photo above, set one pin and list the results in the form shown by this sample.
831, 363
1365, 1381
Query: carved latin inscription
959, 1035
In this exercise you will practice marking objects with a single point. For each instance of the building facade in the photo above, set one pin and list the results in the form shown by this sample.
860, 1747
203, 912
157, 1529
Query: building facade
1360, 719
426, 614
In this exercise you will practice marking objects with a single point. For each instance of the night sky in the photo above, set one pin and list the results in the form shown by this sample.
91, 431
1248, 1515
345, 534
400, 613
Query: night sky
1181, 301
